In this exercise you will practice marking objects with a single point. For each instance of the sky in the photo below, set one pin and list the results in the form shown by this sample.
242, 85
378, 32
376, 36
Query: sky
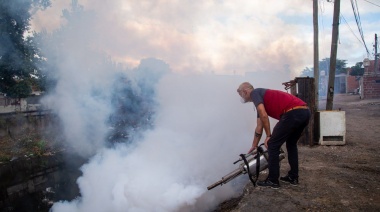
200, 126
224, 37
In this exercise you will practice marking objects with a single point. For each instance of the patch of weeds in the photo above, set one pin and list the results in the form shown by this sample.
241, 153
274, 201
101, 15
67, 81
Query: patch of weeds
40, 147
5, 157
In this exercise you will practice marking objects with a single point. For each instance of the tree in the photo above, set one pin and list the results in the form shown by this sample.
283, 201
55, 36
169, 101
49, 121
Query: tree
324, 65
357, 70
18, 55
20, 90
341, 66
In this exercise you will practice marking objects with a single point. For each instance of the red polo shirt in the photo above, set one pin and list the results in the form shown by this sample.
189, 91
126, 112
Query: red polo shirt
275, 102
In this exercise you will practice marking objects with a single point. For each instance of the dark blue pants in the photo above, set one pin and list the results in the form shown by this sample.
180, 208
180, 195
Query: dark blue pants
289, 130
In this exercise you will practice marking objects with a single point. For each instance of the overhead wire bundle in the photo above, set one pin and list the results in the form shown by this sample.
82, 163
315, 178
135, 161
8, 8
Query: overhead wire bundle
358, 22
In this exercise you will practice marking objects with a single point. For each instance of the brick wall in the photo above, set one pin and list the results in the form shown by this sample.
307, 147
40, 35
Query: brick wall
371, 86
352, 84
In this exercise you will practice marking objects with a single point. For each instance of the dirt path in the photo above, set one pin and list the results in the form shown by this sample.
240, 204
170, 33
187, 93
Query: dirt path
332, 178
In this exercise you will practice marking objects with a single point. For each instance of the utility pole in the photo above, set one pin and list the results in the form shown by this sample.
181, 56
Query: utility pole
334, 49
316, 53
376, 55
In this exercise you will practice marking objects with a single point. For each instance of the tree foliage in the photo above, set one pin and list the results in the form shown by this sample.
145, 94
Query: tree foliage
340, 67
357, 70
324, 65
18, 54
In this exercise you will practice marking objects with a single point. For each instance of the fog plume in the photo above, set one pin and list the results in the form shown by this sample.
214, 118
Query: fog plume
155, 137
200, 129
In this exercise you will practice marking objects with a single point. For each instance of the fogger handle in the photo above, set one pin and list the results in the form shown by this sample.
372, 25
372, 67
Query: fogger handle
246, 155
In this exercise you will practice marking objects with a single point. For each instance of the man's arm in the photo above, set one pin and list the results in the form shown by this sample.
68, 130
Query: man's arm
264, 118
265, 122
257, 136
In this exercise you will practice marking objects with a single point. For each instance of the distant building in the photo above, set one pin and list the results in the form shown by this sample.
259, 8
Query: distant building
340, 83
352, 83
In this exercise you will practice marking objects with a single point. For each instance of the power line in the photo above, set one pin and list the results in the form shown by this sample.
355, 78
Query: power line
351, 29
358, 22
372, 3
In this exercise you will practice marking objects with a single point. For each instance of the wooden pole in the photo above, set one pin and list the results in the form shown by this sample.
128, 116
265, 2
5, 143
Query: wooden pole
334, 49
316, 53
376, 55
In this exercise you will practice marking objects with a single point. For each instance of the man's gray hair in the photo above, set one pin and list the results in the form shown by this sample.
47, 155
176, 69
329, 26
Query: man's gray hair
245, 85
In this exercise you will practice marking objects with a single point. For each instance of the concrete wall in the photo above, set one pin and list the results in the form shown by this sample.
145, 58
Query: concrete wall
11, 105
33, 184
14, 124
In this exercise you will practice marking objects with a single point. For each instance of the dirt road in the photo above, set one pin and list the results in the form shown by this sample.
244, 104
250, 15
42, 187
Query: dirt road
332, 178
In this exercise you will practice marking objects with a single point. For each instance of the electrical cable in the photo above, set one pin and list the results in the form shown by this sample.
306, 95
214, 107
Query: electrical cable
372, 3
358, 23
351, 29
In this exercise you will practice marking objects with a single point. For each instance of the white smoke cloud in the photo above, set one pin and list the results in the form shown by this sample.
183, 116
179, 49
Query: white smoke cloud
201, 128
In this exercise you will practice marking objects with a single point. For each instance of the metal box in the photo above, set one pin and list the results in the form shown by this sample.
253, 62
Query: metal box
332, 126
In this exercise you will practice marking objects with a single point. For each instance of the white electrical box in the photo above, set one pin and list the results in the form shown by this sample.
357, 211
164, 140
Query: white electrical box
332, 126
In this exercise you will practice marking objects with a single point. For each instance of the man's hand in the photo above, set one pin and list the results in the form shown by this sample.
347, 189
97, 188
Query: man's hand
252, 149
266, 142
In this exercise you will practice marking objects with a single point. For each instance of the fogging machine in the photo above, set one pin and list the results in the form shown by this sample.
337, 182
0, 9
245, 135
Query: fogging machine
252, 164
